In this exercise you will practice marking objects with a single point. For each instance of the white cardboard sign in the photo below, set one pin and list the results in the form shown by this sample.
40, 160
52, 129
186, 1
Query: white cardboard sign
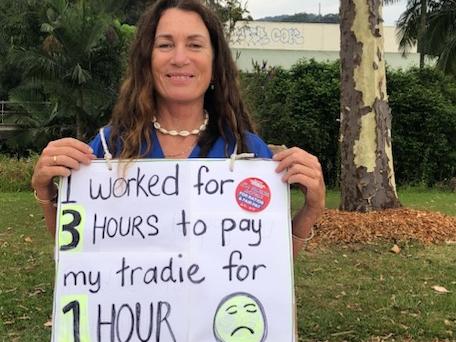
174, 250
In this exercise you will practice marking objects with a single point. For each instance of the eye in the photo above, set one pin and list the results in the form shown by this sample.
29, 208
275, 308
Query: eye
164, 45
231, 309
252, 308
195, 46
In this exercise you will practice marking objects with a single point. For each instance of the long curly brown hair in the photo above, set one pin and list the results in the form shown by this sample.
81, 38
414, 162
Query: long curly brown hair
132, 115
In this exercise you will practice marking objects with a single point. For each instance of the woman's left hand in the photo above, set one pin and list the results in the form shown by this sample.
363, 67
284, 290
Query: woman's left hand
304, 169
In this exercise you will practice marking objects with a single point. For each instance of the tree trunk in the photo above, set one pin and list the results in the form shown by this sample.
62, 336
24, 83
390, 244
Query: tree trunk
421, 31
367, 174
79, 116
79, 131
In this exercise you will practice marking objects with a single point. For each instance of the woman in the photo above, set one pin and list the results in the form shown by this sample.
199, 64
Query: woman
181, 99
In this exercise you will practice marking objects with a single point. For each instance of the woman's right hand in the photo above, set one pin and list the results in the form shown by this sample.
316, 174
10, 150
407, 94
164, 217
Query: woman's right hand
58, 158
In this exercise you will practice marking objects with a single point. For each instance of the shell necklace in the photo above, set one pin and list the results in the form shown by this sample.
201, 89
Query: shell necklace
183, 133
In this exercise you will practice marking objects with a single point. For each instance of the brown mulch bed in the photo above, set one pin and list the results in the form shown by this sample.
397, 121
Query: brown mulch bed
394, 225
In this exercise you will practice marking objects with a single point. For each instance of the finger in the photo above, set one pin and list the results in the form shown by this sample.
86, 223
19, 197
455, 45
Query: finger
304, 180
315, 190
285, 153
55, 171
67, 146
298, 158
69, 151
301, 169
43, 176
64, 153
71, 142
314, 182
65, 161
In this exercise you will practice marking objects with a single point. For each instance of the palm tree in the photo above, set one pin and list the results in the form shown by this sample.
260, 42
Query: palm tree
412, 26
18, 22
66, 68
440, 35
431, 25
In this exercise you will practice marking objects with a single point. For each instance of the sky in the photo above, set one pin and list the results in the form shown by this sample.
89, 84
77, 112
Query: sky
263, 8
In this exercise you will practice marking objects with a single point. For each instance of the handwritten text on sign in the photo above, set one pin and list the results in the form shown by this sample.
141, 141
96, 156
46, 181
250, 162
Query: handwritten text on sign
168, 250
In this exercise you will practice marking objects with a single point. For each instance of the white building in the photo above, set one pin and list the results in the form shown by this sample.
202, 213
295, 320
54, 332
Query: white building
283, 44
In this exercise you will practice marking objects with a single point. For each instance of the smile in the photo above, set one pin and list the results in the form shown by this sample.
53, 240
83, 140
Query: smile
180, 76
242, 327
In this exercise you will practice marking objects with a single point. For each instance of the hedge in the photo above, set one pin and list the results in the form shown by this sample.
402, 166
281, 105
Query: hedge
300, 107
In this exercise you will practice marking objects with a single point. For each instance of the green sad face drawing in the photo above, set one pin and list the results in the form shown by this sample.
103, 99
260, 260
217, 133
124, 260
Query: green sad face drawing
240, 318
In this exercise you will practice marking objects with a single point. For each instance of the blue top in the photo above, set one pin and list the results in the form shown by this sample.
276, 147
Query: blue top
254, 143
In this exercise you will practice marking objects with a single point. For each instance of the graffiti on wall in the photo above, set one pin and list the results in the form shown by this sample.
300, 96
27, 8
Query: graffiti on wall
260, 36
289, 36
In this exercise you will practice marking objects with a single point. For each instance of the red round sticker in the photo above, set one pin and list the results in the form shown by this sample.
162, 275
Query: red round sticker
252, 194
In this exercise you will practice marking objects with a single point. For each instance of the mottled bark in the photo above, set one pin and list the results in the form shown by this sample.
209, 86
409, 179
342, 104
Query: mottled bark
367, 175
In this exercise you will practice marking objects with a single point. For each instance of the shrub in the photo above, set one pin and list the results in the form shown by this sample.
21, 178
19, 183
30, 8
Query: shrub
300, 107
16, 173
423, 104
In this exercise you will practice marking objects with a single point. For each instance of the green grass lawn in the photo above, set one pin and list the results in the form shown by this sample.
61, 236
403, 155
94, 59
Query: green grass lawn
26, 270
351, 293
360, 292
432, 200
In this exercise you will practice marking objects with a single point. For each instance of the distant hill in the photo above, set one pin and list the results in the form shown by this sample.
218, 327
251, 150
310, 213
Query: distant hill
304, 18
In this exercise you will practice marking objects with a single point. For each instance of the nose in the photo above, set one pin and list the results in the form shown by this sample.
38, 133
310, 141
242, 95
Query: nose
180, 56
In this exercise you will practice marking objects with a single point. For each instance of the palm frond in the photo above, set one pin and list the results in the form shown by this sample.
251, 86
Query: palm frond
27, 93
79, 28
46, 27
441, 34
36, 63
447, 58
31, 108
64, 69
80, 75
408, 26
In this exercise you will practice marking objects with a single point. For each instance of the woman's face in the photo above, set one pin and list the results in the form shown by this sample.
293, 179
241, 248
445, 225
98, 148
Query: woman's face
181, 57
